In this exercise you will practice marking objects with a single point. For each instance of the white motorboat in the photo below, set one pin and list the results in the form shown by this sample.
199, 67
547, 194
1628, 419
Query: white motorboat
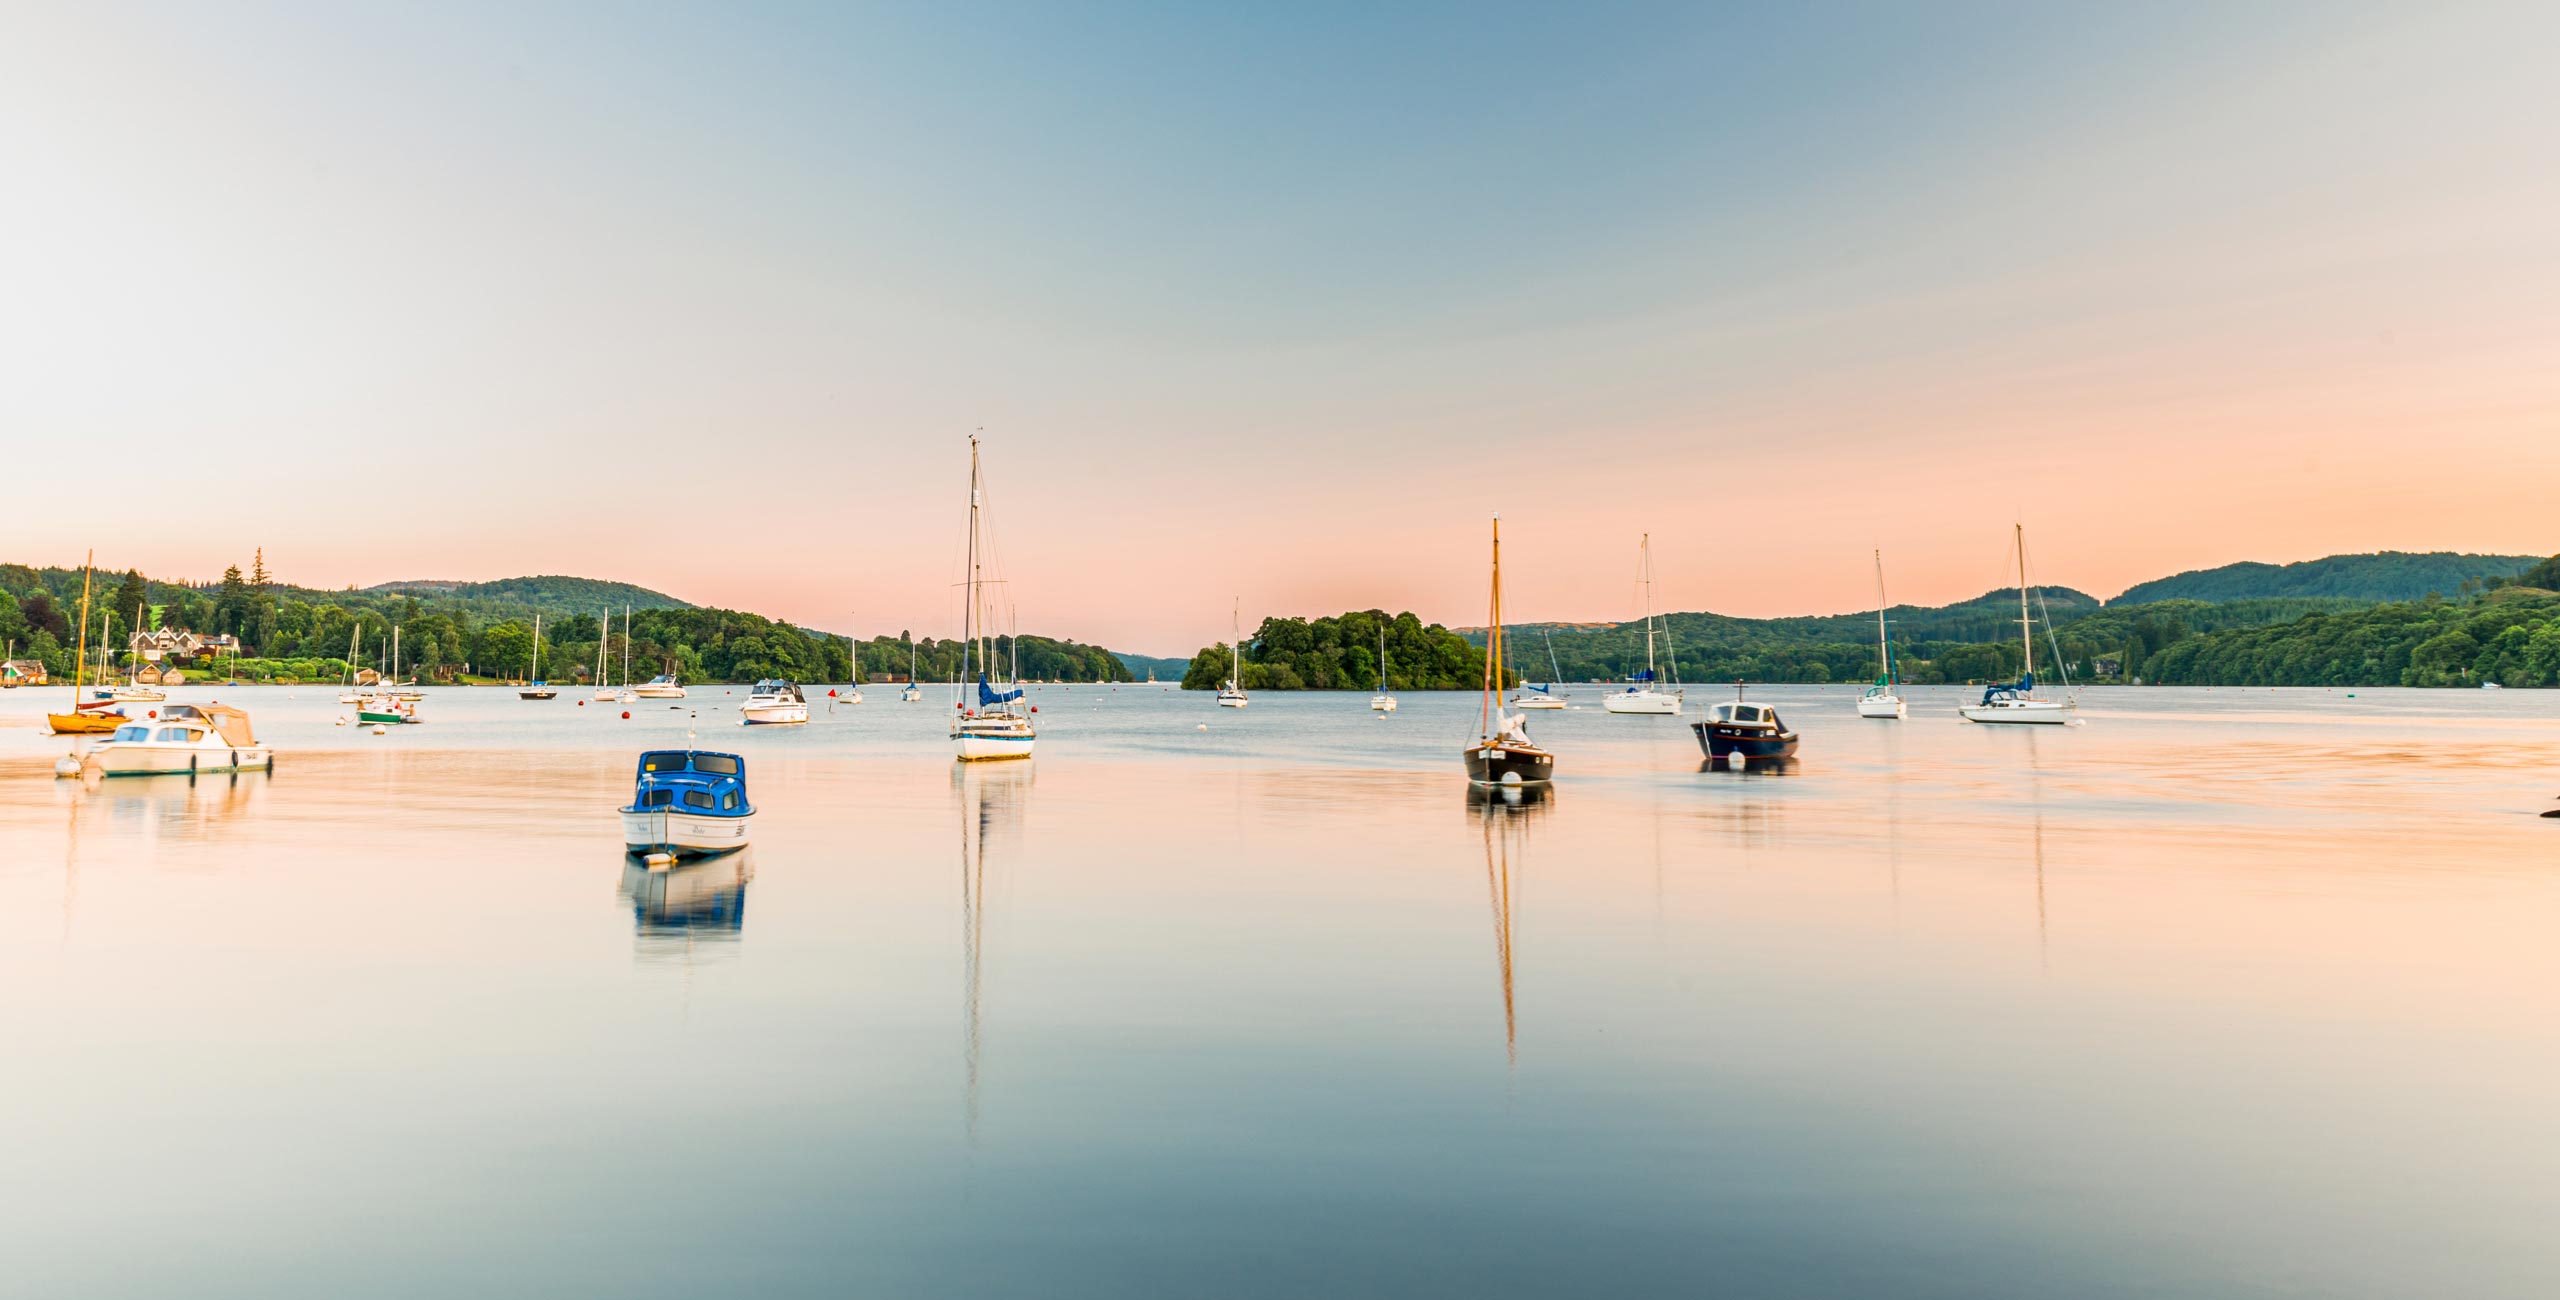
1382, 702
661, 687
998, 724
774, 702
1645, 691
1231, 693
184, 738
687, 803
2017, 701
1881, 700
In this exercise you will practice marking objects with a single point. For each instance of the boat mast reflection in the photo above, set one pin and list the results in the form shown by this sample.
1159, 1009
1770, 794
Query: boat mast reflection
988, 799
1504, 815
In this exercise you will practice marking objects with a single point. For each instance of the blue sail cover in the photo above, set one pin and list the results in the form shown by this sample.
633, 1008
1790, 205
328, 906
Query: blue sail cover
2025, 683
1645, 676
988, 695
1535, 687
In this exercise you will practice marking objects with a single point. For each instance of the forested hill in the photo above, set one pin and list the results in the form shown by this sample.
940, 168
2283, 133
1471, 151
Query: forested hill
2381, 576
547, 591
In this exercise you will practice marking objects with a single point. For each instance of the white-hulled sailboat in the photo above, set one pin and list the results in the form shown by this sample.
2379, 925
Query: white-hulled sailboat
2017, 701
1503, 753
1881, 701
535, 688
1382, 702
1645, 694
1231, 695
913, 692
1534, 696
999, 724
853, 674
604, 665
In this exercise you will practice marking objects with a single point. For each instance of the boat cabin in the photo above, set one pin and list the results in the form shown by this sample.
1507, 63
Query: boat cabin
190, 724
776, 688
692, 781
1738, 713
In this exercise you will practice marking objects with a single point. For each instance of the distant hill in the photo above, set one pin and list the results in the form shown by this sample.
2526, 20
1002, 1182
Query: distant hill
2380, 576
1166, 670
549, 591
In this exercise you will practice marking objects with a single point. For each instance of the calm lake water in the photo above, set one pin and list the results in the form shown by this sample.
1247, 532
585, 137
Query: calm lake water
2223, 993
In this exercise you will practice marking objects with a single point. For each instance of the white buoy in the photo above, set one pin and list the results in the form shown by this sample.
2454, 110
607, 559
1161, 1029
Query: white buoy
1204, 726
67, 765
381, 730
657, 861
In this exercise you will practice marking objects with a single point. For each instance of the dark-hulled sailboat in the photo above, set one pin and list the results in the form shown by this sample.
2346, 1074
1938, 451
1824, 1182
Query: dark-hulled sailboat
1503, 753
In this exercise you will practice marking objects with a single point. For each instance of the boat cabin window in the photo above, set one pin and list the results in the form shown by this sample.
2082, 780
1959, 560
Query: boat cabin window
132, 733
662, 762
729, 802
659, 799
1746, 713
173, 733
716, 764
698, 798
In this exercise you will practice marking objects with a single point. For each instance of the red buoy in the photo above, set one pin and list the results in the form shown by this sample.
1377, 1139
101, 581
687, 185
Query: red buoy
626, 713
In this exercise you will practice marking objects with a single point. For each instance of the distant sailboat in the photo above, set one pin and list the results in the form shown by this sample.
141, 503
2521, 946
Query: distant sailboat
1644, 694
1535, 696
537, 689
2017, 701
913, 692
1382, 702
604, 665
1231, 695
853, 673
83, 720
1503, 753
626, 695
1880, 701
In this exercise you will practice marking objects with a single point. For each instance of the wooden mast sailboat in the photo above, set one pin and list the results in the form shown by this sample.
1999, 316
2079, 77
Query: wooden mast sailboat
79, 722
1881, 700
999, 724
1503, 753
2017, 701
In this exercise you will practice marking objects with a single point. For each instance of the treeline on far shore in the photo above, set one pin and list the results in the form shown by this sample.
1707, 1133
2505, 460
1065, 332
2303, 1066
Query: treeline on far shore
293, 634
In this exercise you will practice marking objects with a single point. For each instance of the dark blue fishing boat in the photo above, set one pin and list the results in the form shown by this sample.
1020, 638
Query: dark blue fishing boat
686, 803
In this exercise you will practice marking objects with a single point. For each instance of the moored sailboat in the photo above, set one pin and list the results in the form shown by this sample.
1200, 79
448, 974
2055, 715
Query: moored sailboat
1881, 700
999, 725
1383, 701
1503, 753
1645, 693
84, 719
2017, 701
1536, 695
1231, 695
536, 688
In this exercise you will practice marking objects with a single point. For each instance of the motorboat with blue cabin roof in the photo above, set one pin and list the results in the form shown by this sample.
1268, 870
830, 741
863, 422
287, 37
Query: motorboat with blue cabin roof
687, 803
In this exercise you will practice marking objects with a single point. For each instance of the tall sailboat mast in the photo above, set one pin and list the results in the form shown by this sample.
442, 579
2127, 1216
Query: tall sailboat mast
974, 624
2026, 627
1884, 656
1493, 642
1646, 546
80, 656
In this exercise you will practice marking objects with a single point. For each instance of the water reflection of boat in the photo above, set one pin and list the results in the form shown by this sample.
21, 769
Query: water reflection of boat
989, 800
706, 897
1505, 815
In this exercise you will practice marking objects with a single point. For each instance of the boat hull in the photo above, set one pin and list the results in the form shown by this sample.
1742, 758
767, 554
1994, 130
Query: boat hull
1537, 702
148, 759
659, 692
1382, 704
991, 744
537, 693
2032, 712
1642, 702
1744, 742
769, 715
682, 834
84, 724
1880, 706
1232, 701
1508, 765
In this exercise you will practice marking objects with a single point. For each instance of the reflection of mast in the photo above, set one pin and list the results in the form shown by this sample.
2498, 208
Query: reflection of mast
1497, 883
987, 801
2035, 801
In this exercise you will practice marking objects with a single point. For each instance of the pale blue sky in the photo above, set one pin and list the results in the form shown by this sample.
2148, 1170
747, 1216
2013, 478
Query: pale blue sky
1281, 302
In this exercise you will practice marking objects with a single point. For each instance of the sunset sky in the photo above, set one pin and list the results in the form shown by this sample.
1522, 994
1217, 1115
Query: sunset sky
1275, 302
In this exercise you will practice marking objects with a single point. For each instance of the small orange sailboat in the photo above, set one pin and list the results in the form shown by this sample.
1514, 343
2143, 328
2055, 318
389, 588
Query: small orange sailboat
80, 722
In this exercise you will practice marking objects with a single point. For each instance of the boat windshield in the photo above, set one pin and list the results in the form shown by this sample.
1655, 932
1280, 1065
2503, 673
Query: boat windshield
132, 733
663, 762
716, 764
